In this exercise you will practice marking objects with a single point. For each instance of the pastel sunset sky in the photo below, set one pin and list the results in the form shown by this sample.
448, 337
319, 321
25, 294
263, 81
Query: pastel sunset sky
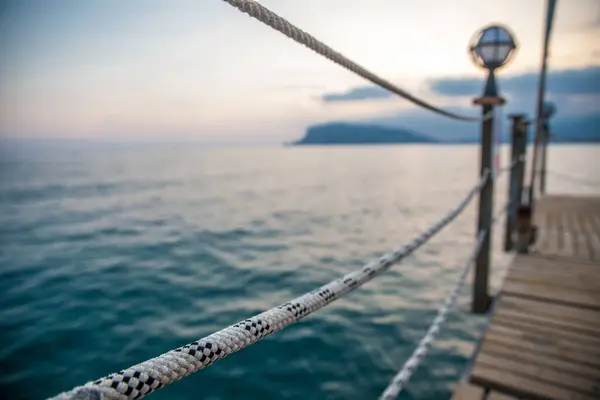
201, 69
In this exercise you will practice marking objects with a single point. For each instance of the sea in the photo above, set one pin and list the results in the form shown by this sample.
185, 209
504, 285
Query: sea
111, 254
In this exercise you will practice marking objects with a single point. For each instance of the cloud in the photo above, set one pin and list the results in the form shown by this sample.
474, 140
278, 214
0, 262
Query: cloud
294, 87
585, 81
576, 93
457, 86
369, 92
568, 82
430, 124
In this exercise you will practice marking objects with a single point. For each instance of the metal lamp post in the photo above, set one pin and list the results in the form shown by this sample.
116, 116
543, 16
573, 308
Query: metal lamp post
491, 48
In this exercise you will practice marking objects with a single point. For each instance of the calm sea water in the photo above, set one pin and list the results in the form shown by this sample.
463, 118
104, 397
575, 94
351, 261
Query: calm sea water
111, 255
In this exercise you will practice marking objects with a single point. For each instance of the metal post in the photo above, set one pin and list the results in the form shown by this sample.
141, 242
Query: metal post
514, 195
544, 159
481, 298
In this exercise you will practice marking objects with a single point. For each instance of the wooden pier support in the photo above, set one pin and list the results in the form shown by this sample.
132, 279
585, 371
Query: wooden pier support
517, 176
481, 298
525, 228
544, 156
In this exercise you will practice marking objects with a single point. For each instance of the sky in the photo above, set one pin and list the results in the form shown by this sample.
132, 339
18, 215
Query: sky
202, 70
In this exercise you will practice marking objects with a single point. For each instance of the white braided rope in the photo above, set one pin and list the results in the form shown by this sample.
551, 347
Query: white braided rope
507, 168
141, 379
401, 379
268, 17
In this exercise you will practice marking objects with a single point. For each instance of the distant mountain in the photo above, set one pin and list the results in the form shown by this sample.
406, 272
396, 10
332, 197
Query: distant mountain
572, 129
576, 129
356, 134
567, 128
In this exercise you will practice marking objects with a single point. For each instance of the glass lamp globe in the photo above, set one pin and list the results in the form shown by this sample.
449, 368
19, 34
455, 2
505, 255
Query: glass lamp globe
492, 47
548, 109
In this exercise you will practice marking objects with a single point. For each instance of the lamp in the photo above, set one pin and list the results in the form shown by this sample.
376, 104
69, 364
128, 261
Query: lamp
491, 48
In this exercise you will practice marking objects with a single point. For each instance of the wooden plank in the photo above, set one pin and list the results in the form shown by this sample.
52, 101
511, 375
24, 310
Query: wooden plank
570, 226
466, 391
567, 249
547, 244
595, 237
559, 282
499, 396
576, 220
566, 367
556, 265
542, 243
517, 384
592, 272
560, 261
542, 261
594, 225
557, 258
590, 248
584, 244
553, 294
553, 241
587, 231
594, 228
561, 243
543, 341
576, 315
578, 249
581, 223
552, 263
574, 232
552, 347
546, 330
591, 277
576, 282
591, 330
558, 379
590, 282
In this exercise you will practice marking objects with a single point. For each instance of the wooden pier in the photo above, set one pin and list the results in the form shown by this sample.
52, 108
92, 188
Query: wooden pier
543, 339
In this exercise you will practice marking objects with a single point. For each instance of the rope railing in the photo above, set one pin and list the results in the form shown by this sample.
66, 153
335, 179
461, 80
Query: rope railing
507, 168
142, 379
268, 17
400, 380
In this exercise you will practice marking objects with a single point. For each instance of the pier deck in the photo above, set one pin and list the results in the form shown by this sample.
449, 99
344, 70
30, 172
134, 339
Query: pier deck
543, 340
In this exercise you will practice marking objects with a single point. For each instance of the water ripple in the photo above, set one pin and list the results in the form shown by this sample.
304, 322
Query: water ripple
108, 258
